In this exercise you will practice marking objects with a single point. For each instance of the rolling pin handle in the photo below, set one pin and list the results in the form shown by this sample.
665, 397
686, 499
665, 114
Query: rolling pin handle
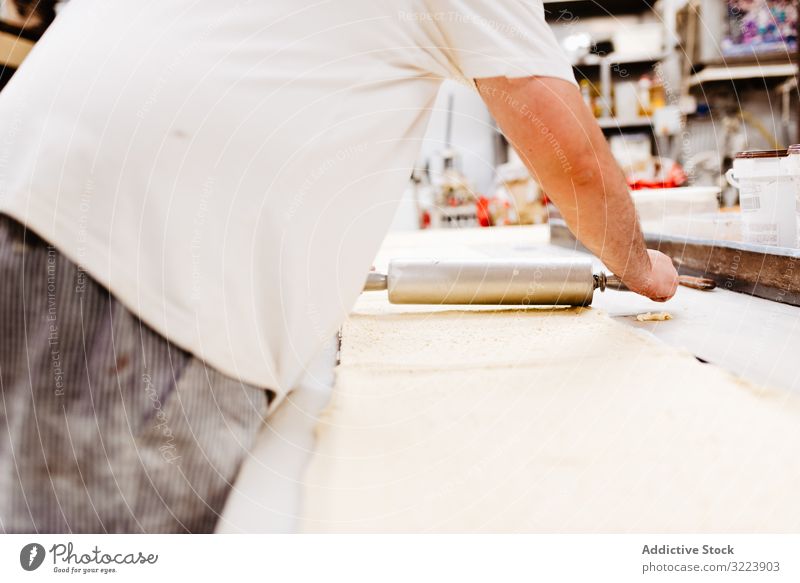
613, 282
376, 282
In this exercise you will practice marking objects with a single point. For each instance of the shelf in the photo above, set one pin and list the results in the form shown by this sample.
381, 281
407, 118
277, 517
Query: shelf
557, 10
716, 74
31, 34
783, 58
618, 59
13, 49
612, 122
592, 7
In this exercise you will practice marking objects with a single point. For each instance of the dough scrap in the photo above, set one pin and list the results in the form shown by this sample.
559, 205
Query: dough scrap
654, 317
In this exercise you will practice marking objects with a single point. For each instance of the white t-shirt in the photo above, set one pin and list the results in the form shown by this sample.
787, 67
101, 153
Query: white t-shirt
228, 169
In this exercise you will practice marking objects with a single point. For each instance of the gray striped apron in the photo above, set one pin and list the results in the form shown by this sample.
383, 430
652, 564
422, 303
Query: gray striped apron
105, 426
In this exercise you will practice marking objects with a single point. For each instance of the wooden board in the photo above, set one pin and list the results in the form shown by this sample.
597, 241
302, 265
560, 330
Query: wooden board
772, 273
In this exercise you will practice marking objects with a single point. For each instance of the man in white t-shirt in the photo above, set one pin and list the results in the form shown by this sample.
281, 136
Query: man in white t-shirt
191, 196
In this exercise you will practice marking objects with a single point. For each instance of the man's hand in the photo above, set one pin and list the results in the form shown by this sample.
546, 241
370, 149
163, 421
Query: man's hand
558, 139
659, 282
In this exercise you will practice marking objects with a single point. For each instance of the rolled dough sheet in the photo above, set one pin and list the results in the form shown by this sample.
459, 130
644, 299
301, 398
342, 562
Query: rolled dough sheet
544, 421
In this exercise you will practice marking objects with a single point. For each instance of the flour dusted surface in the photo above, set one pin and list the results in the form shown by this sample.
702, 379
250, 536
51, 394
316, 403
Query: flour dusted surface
543, 421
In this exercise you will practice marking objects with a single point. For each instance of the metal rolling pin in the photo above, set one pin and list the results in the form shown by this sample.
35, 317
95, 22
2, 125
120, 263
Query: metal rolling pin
548, 282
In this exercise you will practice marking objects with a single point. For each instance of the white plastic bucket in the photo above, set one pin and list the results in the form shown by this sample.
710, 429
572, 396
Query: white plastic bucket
792, 166
767, 184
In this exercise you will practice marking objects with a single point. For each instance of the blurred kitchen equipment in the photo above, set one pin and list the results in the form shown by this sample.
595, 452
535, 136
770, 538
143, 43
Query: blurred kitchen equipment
454, 200
626, 100
516, 184
639, 39
633, 152
657, 203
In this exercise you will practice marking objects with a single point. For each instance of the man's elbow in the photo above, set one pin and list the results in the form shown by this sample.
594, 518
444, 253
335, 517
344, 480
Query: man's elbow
586, 174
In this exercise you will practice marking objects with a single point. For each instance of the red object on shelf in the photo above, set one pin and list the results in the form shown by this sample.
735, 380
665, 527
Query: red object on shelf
482, 211
426, 220
672, 178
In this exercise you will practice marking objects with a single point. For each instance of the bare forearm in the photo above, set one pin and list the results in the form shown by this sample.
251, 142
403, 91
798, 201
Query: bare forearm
595, 203
555, 134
